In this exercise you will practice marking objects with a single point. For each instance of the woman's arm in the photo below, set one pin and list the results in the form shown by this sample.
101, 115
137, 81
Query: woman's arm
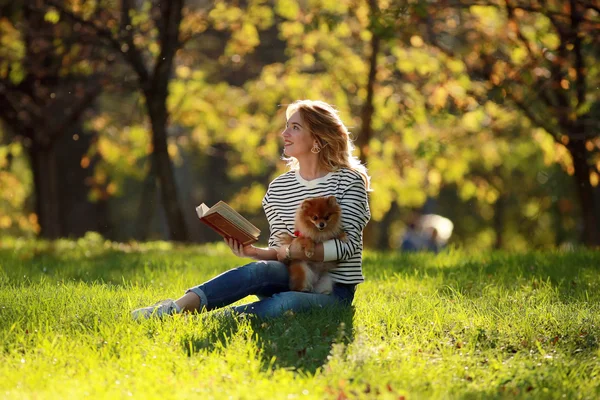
258, 253
277, 227
296, 253
355, 215
265, 253
273, 253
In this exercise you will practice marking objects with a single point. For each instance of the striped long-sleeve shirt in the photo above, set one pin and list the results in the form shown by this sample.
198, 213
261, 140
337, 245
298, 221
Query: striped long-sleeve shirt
288, 190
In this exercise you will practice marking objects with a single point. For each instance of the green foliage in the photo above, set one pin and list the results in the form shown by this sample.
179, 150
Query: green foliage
15, 189
52, 16
12, 52
442, 126
491, 325
243, 23
121, 152
431, 128
288, 9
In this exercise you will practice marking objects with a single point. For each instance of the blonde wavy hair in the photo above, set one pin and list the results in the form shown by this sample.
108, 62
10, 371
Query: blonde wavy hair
326, 127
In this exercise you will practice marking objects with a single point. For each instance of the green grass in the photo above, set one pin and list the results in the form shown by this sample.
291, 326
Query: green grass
455, 325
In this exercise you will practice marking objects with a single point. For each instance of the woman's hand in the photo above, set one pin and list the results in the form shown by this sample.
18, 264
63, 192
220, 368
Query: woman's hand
282, 253
295, 252
298, 252
240, 250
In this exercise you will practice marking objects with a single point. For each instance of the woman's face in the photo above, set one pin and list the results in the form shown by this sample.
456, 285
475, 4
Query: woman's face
297, 140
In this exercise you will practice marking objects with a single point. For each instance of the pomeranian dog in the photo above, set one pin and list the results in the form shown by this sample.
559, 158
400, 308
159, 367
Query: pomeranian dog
317, 219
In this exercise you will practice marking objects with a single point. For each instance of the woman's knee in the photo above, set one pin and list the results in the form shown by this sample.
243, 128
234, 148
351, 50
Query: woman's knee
266, 270
297, 301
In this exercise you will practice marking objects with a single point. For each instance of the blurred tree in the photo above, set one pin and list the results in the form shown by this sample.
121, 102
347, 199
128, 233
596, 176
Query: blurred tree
539, 57
148, 35
16, 214
379, 30
519, 198
130, 31
430, 123
390, 95
46, 84
424, 118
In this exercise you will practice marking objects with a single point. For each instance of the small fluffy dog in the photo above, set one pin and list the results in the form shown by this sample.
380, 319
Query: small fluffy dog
317, 220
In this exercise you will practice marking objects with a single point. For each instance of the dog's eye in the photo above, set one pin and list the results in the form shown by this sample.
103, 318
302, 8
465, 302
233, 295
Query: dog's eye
327, 217
315, 218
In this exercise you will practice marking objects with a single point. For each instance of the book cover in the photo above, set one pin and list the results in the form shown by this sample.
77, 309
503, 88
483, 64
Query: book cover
228, 223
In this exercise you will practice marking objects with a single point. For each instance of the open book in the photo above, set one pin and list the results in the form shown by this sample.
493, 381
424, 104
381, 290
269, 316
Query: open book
228, 223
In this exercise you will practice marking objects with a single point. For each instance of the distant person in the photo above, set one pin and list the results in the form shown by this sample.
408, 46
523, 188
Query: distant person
431, 244
428, 232
318, 152
411, 241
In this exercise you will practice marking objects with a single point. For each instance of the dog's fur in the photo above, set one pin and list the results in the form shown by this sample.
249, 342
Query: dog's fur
317, 220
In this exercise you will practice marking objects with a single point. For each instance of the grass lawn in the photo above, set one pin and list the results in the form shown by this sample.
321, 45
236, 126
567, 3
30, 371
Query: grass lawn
455, 325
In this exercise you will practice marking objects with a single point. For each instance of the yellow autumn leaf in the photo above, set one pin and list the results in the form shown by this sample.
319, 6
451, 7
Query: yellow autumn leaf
439, 97
52, 16
288, 9
467, 190
5, 221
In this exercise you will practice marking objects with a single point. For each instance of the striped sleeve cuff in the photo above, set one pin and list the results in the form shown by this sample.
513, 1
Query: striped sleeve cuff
330, 251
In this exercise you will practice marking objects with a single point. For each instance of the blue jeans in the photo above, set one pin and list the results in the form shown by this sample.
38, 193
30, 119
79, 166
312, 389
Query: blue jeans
269, 280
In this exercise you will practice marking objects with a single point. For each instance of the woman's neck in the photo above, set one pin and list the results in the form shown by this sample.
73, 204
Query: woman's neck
310, 169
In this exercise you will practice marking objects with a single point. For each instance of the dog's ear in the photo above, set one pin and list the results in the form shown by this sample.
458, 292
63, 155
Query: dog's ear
306, 204
332, 201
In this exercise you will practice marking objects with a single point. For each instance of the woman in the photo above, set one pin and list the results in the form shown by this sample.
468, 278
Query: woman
318, 150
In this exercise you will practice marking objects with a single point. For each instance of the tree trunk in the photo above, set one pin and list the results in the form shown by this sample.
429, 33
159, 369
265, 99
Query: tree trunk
78, 214
166, 177
43, 165
560, 233
366, 131
585, 191
147, 206
383, 240
499, 211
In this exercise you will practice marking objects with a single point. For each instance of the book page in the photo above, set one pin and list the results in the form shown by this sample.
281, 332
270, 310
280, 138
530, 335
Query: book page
227, 229
222, 215
237, 219
201, 210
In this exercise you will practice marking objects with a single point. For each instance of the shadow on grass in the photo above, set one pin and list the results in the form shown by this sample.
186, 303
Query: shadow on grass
301, 342
107, 266
575, 275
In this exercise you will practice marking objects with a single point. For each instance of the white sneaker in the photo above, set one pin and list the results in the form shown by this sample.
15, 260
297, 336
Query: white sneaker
158, 310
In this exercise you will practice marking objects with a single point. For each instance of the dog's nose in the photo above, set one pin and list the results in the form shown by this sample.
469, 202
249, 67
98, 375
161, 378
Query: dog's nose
321, 225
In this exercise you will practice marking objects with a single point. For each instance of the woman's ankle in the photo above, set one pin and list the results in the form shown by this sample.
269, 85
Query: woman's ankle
189, 302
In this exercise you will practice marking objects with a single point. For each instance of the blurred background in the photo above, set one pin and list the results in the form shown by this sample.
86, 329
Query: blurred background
120, 117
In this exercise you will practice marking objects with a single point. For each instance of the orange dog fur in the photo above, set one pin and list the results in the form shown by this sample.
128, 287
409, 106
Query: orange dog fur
317, 220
